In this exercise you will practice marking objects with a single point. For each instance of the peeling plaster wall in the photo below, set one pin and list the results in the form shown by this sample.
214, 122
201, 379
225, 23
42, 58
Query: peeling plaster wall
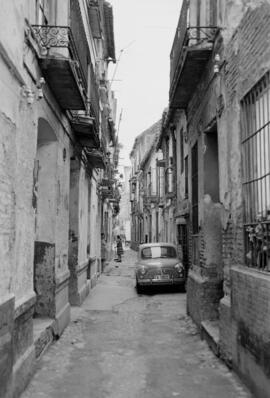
26, 151
62, 211
181, 125
83, 210
19, 145
59, 126
78, 232
7, 203
95, 225
12, 25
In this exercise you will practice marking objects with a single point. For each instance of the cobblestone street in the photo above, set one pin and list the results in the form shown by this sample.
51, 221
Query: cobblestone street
121, 345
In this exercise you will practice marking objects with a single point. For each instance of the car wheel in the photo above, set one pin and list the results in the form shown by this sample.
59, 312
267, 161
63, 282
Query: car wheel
181, 288
139, 288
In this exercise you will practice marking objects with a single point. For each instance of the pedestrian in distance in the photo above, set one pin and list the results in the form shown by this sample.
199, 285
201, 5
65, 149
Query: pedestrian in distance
119, 248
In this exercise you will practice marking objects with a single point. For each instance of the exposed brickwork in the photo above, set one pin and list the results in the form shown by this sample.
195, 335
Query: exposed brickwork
251, 313
248, 53
246, 329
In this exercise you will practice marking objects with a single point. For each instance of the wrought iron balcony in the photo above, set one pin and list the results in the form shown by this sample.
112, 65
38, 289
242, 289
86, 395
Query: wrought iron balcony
94, 98
257, 245
83, 126
148, 200
63, 60
107, 192
192, 49
149, 195
95, 158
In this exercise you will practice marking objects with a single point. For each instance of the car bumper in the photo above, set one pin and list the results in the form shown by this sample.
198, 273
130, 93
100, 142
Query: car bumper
160, 282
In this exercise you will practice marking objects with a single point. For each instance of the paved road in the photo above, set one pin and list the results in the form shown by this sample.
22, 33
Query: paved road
121, 345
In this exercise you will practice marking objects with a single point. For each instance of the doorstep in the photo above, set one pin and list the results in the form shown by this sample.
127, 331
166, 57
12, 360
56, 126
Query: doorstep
43, 335
210, 333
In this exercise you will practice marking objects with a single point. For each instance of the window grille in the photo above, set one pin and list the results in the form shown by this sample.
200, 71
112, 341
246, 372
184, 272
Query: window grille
256, 174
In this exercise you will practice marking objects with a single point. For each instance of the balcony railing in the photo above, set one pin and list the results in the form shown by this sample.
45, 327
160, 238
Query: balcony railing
64, 64
257, 245
196, 36
95, 158
83, 126
191, 51
94, 98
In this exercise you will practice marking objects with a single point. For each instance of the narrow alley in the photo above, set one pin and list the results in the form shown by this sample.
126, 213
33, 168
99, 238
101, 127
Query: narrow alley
123, 345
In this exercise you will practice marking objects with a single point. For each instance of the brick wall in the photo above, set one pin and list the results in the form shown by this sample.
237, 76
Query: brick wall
251, 314
244, 312
247, 54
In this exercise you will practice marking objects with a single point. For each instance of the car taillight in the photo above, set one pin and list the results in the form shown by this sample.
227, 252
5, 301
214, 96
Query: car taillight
142, 271
180, 269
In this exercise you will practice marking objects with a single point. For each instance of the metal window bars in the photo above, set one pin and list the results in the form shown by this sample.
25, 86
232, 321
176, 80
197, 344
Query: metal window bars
256, 174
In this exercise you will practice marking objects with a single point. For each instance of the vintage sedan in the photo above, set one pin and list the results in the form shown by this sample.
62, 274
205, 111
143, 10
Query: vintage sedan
158, 264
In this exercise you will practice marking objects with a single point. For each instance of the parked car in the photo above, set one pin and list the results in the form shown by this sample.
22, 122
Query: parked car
158, 265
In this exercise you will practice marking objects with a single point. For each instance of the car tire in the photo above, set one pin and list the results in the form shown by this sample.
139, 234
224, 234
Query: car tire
139, 288
182, 288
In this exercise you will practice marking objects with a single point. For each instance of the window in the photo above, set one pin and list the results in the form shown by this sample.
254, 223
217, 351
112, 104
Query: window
149, 183
256, 173
160, 178
159, 252
169, 180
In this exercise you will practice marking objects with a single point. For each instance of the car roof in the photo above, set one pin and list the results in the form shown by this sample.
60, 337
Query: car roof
156, 244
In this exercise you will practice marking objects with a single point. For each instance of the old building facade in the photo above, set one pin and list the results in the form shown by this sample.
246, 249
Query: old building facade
215, 139
140, 226
218, 101
57, 123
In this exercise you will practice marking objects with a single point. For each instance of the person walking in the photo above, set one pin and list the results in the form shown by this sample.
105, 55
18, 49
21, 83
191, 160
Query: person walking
119, 248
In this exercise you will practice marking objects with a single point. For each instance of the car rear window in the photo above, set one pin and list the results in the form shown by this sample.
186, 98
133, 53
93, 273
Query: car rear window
158, 252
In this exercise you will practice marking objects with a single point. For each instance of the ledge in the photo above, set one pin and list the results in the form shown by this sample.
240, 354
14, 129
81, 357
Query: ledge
62, 280
251, 272
210, 333
24, 304
82, 267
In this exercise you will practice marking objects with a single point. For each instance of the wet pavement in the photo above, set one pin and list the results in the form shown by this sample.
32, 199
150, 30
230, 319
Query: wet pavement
123, 345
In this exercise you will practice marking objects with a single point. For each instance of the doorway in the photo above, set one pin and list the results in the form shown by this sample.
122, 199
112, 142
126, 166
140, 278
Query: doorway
45, 206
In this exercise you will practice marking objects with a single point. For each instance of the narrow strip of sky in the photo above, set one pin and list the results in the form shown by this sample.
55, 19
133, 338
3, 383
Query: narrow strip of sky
144, 30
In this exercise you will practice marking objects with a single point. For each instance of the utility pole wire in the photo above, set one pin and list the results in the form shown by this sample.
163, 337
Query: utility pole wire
118, 60
119, 121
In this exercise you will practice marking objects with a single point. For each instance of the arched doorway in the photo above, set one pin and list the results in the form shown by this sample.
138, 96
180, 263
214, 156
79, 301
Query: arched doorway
45, 204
